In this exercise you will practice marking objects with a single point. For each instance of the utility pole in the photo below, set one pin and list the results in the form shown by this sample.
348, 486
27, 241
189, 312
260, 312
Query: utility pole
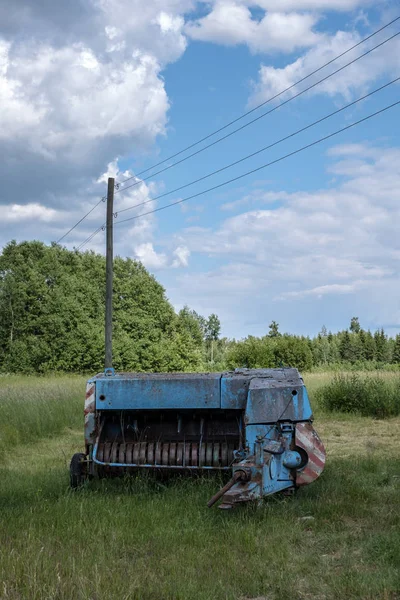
109, 273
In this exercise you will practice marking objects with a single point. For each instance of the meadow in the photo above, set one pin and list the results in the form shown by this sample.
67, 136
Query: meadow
149, 540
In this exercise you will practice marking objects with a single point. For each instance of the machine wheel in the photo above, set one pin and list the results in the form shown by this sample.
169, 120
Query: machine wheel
77, 472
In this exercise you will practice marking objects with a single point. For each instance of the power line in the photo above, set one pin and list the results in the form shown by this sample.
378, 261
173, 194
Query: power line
261, 149
241, 117
224, 183
80, 220
238, 119
254, 109
215, 187
91, 236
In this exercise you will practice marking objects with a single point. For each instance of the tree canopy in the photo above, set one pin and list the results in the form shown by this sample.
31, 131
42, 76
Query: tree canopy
52, 314
52, 319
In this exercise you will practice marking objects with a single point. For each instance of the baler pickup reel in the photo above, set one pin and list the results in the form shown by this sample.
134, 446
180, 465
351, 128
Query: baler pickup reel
254, 423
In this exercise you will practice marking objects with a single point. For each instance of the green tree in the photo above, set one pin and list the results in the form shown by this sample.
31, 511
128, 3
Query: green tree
345, 347
381, 346
52, 314
212, 331
252, 353
396, 350
194, 324
355, 325
274, 330
369, 346
292, 351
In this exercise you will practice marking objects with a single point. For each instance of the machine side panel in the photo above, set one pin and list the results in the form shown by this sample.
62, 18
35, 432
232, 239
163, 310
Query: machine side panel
270, 402
235, 385
234, 389
177, 391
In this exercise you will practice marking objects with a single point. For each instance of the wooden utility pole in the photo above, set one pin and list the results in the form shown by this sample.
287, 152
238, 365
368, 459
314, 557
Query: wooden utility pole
109, 272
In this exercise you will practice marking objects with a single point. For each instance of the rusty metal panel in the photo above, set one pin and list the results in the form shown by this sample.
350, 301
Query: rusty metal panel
235, 385
270, 401
89, 412
308, 439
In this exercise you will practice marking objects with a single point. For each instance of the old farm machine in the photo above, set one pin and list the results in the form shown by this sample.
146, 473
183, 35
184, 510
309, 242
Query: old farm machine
254, 423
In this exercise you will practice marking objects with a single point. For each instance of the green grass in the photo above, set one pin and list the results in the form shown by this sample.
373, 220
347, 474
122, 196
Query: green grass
143, 539
34, 407
367, 395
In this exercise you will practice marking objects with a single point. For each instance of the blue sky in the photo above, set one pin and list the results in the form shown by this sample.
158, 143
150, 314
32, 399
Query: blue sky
115, 86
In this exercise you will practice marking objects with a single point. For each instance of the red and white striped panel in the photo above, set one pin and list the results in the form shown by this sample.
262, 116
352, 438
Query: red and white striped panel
90, 399
308, 439
90, 407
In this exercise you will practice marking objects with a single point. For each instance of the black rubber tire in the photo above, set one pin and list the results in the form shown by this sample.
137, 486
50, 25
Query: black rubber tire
77, 474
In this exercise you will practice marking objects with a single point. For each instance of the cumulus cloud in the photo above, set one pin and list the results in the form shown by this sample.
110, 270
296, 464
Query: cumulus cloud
181, 257
331, 243
79, 87
348, 83
23, 212
339, 5
63, 101
149, 257
155, 261
231, 23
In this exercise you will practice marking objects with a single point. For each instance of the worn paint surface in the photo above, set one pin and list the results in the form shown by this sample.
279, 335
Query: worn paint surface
308, 439
89, 412
257, 420
158, 391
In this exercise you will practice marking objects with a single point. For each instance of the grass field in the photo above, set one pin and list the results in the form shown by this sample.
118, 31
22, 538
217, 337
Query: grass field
139, 539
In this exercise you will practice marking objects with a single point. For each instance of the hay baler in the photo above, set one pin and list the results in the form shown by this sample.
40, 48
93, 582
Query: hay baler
254, 423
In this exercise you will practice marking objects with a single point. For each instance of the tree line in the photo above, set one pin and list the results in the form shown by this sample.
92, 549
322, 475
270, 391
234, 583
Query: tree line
351, 348
52, 319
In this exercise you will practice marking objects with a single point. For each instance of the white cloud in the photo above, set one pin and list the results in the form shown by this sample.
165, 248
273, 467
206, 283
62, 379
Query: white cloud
230, 22
68, 99
333, 243
23, 212
149, 257
79, 87
155, 27
154, 260
322, 290
340, 5
353, 80
181, 254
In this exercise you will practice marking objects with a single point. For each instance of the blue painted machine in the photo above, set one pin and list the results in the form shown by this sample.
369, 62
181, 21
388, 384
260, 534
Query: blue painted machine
257, 424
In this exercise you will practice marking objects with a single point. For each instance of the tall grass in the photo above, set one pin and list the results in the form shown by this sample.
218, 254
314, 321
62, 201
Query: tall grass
138, 539
374, 396
32, 408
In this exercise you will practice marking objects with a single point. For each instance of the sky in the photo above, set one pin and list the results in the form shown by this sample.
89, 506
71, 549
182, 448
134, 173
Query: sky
100, 88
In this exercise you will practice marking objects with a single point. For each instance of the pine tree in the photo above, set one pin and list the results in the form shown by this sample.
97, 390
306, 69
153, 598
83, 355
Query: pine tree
361, 337
396, 350
381, 345
345, 347
355, 325
213, 328
369, 346
274, 330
